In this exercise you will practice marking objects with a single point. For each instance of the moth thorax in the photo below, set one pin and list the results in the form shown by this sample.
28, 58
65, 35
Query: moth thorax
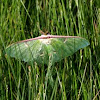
45, 41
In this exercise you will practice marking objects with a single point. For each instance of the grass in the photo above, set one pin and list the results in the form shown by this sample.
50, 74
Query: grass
75, 77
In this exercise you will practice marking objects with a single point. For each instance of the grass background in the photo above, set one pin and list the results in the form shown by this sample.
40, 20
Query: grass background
74, 78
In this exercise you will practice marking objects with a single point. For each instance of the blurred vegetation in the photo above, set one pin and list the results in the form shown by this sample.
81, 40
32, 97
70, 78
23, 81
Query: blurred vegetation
75, 77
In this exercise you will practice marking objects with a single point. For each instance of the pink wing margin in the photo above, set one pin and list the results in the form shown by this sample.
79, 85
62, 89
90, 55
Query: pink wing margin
47, 37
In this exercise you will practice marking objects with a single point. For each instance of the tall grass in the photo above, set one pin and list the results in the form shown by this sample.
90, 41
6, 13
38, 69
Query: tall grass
75, 77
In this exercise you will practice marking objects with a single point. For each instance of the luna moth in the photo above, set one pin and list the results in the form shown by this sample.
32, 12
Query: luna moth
45, 47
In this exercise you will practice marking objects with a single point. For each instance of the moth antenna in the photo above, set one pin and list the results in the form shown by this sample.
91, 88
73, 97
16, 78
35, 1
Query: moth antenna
42, 33
47, 33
